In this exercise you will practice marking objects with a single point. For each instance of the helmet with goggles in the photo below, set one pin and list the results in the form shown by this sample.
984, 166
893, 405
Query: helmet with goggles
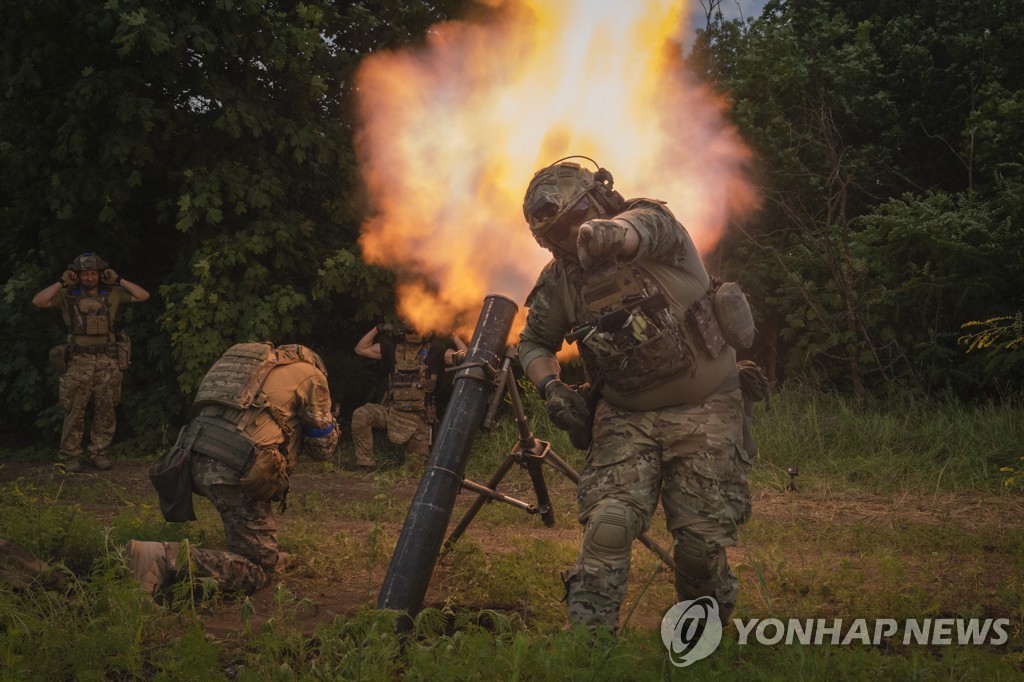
564, 195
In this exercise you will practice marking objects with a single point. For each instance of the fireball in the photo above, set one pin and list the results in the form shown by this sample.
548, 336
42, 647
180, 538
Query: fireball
451, 132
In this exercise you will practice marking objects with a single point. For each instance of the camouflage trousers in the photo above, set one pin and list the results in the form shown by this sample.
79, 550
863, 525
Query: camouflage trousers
691, 457
249, 530
408, 428
96, 378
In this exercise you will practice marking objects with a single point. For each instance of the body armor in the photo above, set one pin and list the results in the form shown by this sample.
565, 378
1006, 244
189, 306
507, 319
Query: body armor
90, 315
409, 384
229, 399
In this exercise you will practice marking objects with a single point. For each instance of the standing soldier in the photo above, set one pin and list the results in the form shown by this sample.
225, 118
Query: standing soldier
259, 407
407, 412
665, 414
89, 295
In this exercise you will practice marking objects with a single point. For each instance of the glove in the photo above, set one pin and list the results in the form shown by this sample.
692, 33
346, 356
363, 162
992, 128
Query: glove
566, 408
599, 241
68, 278
384, 328
458, 357
110, 277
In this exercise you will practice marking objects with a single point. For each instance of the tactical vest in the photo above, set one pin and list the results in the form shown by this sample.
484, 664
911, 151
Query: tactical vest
230, 398
633, 340
90, 315
410, 385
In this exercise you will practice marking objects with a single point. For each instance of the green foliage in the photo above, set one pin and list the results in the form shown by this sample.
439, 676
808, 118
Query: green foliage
889, 207
205, 151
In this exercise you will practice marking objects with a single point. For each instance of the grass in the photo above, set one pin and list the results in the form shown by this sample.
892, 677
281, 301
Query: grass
900, 512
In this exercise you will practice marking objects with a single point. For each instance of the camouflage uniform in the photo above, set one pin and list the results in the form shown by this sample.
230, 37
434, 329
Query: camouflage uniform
93, 371
407, 413
677, 436
298, 393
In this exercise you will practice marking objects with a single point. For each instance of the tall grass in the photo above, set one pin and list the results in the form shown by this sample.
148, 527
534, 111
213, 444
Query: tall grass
902, 442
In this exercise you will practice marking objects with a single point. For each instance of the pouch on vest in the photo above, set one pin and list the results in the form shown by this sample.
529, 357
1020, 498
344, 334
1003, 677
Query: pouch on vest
734, 317
643, 353
59, 358
401, 426
267, 478
172, 478
705, 327
220, 440
124, 350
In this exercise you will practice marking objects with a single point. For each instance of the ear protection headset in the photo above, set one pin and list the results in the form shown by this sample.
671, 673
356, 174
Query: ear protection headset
610, 200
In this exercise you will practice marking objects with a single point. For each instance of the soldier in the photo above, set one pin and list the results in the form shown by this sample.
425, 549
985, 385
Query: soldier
407, 412
259, 406
89, 295
665, 414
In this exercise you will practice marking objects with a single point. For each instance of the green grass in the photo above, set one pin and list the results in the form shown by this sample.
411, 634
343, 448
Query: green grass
900, 512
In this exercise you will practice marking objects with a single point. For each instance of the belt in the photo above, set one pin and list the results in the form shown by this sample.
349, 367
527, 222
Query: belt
102, 349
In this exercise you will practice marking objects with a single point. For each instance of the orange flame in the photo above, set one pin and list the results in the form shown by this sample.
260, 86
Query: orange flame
451, 133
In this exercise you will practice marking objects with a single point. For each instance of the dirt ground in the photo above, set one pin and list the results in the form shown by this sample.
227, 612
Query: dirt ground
324, 599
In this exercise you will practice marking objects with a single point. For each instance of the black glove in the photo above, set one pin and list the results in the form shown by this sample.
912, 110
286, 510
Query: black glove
69, 278
109, 277
599, 241
566, 408
384, 328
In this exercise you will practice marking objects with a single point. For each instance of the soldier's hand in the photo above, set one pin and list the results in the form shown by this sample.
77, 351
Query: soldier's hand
110, 277
566, 408
69, 278
384, 328
599, 241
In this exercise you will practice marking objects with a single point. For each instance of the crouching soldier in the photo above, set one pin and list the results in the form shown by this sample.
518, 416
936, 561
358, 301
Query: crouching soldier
258, 407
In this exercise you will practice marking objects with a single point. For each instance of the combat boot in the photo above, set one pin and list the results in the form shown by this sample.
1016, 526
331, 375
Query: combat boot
69, 465
100, 462
149, 563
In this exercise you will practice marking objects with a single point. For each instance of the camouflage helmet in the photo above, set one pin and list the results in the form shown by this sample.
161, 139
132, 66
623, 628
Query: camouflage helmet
87, 261
554, 194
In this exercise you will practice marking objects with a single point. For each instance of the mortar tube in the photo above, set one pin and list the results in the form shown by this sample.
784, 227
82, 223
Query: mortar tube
419, 544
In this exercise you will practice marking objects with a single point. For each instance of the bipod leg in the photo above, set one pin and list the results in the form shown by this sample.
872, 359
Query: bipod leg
535, 469
478, 503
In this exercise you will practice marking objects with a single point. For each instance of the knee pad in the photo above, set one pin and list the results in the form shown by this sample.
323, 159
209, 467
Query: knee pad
694, 557
610, 533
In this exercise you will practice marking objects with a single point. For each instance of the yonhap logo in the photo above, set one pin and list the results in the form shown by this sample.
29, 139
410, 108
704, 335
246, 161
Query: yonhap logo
691, 630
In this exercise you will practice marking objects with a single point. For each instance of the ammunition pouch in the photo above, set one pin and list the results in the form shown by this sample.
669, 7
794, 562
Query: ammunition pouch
59, 358
171, 476
267, 478
635, 348
124, 350
700, 317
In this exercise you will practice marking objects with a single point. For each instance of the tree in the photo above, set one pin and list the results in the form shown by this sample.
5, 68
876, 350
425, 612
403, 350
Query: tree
875, 125
202, 147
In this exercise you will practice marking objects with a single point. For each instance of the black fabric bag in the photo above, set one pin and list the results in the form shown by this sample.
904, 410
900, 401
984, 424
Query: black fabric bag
172, 478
